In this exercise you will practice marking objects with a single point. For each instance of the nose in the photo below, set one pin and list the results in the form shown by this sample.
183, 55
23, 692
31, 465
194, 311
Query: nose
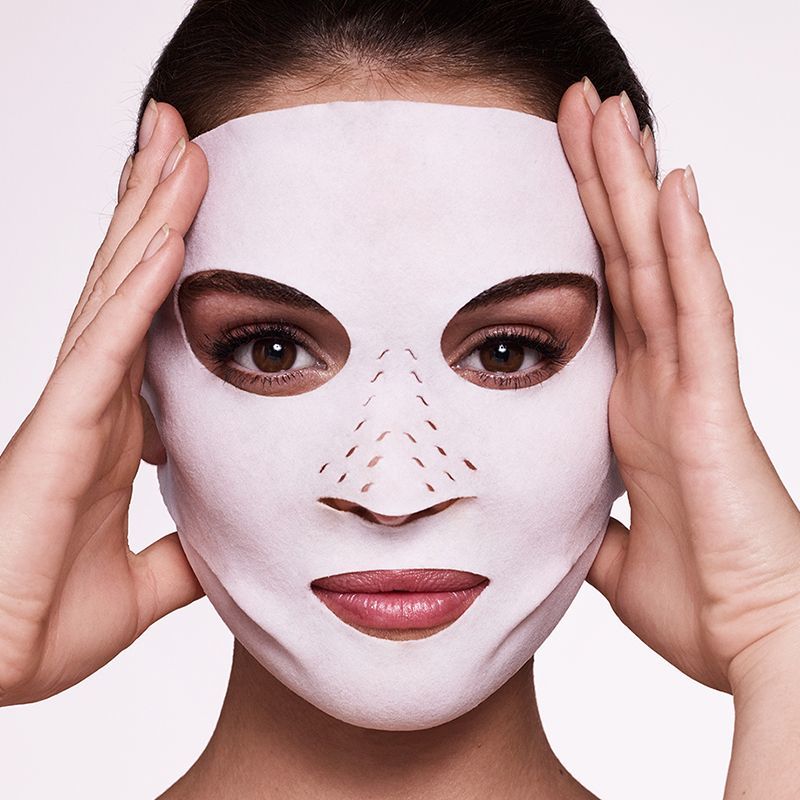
385, 519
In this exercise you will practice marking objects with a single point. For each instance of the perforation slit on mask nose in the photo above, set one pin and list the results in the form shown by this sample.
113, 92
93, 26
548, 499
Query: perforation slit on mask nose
437, 468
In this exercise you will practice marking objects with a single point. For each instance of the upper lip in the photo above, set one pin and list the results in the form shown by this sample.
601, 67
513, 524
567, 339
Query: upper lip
400, 580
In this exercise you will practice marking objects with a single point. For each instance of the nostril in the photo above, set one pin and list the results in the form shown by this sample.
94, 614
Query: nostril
341, 504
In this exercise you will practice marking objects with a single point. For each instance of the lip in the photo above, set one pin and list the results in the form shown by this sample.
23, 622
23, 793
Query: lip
399, 600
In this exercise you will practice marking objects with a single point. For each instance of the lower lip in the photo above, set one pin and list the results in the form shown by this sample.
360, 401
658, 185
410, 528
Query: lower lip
399, 610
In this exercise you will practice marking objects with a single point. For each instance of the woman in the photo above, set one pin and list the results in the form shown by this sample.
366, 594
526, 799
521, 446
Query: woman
679, 429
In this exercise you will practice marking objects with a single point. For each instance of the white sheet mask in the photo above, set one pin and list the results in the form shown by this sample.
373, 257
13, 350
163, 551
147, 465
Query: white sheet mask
392, 215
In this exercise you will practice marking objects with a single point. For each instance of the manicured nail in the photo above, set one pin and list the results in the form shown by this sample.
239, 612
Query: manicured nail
123, 179
629, 115
149, 119
156, 242
590, 93
173, 158
690, 185
649, 146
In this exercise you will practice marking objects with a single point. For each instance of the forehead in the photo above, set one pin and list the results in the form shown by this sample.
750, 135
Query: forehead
405, 196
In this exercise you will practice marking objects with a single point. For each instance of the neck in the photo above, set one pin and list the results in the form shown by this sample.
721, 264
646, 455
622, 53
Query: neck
269, 742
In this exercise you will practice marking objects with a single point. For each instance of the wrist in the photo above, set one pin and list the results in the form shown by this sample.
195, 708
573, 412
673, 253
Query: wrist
766, 699
767, 664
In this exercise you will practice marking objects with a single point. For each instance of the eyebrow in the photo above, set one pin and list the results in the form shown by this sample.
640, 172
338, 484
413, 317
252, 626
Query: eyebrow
526, 284
221, 280
201, 283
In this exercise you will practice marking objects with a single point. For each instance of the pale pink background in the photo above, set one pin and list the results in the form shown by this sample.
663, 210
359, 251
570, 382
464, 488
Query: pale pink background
623, 721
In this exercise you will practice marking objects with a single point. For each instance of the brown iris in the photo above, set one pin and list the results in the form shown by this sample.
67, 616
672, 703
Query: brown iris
502, 355
274, 354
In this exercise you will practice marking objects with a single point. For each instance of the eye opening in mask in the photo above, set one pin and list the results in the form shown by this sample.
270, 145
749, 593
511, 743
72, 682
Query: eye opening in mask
250, 330
533, 326
232, 318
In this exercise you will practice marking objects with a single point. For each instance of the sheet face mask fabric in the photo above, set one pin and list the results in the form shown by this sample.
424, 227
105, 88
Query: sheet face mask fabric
392, 215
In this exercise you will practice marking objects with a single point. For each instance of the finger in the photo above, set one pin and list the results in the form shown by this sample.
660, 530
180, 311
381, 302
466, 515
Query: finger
633, 198
80, 389
164, 580
707, 355
575, 123
607, 566
620, 344
648, 144
175, 200
139, 184
123, 179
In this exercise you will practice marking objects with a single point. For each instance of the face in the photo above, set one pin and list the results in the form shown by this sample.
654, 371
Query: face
381, 383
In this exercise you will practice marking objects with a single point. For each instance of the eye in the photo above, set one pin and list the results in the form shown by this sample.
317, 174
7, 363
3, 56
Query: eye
268, 358
276, 353
509, 357
503, 355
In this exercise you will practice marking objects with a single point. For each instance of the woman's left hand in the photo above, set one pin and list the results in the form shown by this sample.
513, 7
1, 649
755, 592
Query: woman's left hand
709, 573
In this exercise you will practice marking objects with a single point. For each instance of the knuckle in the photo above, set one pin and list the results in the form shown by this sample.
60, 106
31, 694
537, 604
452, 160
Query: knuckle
100, 288
614, 256
94, 348
589, 180
151, 216
645, 265
95, 298
719, 312
136, 181
83, 344
104, 255
125, 296
725, 311
621, 191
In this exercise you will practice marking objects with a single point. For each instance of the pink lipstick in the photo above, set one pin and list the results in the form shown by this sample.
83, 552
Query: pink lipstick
399, 600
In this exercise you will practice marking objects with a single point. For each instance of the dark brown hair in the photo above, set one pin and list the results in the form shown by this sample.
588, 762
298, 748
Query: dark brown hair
227, 55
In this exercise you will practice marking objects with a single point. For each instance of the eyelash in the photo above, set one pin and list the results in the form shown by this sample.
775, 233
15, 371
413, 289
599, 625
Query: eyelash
221, 350
552, 349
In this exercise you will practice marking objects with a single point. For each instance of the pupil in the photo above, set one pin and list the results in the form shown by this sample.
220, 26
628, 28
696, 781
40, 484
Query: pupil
502, 356
273, 355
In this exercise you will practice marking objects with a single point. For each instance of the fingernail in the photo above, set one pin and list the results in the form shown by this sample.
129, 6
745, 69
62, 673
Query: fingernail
590, 93
173, 158
123, 179
629, 115
156, 242
149, 119
649, 146
690, 185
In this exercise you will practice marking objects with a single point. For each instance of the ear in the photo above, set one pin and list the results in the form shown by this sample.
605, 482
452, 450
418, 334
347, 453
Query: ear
153, 451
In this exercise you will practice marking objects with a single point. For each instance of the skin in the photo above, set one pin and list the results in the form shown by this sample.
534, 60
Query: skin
713, 528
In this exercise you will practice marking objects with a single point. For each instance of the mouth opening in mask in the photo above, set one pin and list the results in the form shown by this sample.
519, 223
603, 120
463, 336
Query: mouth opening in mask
400, 604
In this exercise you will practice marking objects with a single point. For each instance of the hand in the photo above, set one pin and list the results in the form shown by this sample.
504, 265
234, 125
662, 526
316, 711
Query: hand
709, 573
72, 594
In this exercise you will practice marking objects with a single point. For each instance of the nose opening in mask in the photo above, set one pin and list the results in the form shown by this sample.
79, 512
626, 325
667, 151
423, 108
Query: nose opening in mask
391, 520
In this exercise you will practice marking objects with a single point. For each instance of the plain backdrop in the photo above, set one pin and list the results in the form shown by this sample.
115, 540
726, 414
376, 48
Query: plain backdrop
627, 724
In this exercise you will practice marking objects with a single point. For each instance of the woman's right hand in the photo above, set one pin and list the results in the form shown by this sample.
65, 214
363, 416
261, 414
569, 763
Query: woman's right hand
72, 594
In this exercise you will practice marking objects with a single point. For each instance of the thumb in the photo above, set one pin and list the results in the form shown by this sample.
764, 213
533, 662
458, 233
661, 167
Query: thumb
607, 567
164, 580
